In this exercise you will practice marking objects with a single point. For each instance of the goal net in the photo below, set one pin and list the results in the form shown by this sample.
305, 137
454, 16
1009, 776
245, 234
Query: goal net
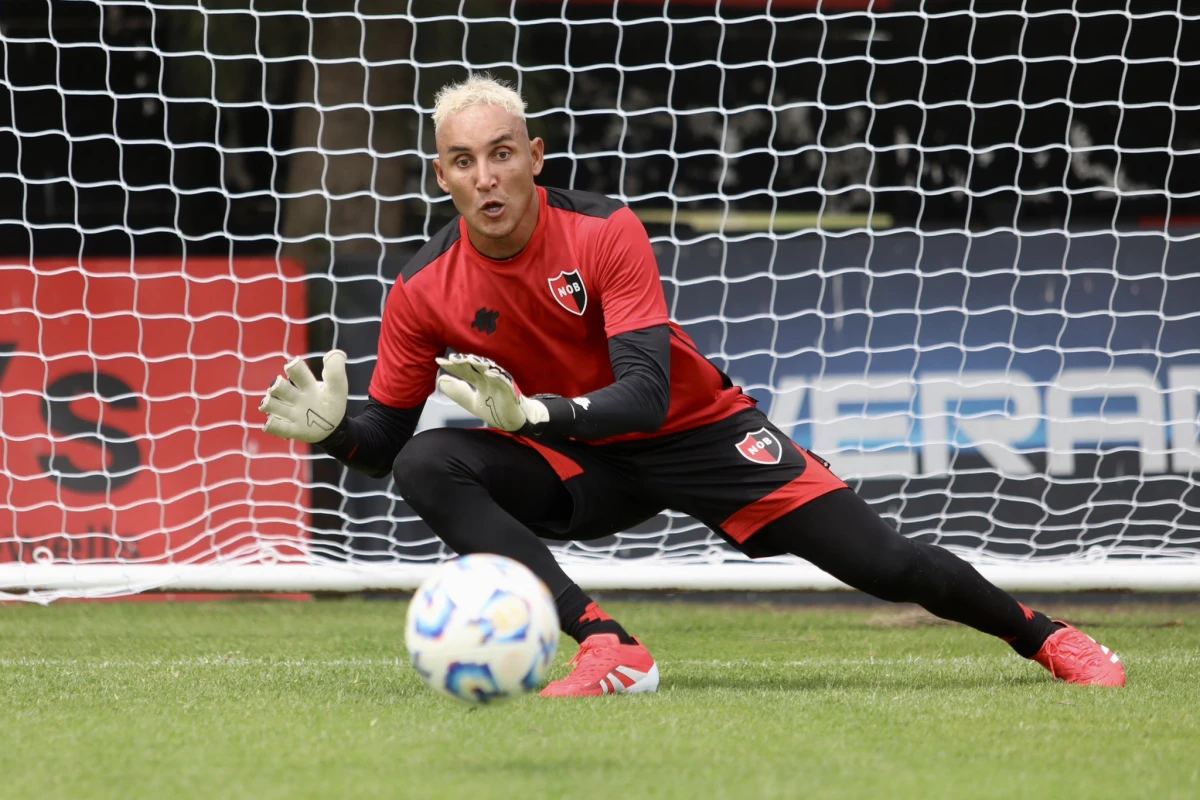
945, 245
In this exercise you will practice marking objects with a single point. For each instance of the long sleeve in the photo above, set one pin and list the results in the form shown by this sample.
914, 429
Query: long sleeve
637, 401
371, 441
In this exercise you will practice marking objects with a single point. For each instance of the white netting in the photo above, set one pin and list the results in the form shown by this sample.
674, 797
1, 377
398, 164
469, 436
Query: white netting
946, 245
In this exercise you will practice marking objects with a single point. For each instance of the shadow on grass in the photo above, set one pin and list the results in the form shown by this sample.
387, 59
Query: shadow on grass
885, 679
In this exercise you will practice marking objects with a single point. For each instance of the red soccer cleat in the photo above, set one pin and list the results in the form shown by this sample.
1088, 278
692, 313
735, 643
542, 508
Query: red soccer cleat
1073, 656
605, 666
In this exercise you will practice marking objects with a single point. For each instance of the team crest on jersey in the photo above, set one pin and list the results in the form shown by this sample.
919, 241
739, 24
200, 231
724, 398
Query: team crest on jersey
762, 447
569, 291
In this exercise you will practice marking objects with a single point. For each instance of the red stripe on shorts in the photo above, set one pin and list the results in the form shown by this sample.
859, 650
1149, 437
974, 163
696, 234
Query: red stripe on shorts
564, 466
815, 482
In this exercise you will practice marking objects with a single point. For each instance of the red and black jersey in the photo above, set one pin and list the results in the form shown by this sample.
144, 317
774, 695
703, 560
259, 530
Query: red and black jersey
587, 274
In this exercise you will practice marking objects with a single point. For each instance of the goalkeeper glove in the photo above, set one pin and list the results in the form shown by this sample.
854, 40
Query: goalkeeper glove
486, 390
302, 408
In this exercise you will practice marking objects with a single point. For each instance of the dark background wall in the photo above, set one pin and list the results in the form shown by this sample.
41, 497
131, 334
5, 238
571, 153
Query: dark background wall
1018, 114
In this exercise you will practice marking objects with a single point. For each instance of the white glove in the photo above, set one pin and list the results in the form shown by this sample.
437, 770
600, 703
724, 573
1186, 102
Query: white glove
487, 391
304, 408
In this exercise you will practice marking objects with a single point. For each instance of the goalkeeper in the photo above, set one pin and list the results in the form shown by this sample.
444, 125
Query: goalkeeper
602, 410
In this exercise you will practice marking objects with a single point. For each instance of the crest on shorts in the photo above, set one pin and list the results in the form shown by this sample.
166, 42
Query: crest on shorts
762, 447
569, 291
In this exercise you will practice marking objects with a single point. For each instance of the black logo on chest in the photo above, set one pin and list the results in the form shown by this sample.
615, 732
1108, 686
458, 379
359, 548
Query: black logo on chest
485, 320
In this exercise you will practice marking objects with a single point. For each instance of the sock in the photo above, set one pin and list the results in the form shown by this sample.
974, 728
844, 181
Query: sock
580, 617
1034, 634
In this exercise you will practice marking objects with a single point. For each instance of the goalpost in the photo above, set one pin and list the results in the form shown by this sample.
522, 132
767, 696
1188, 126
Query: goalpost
945, 245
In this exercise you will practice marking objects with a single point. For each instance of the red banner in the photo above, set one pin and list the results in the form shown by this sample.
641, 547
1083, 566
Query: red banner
129, 422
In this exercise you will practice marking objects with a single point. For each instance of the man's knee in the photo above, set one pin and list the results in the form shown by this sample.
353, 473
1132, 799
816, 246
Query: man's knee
424, 470
912, 574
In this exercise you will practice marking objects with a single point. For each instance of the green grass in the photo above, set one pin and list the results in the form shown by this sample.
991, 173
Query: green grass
279, 700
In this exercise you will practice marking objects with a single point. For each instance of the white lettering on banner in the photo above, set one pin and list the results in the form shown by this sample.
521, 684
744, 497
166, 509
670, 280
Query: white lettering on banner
854, 436
1182, 410
841, 436
1067, 433
994, 434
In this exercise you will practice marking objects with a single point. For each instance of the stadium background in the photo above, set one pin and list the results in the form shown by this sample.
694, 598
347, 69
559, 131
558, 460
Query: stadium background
875, 225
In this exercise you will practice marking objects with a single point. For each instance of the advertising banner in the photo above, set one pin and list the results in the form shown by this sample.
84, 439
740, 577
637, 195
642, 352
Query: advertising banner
129, 426
1032, 393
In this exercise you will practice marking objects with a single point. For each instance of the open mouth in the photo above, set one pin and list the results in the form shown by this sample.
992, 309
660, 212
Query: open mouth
492, 208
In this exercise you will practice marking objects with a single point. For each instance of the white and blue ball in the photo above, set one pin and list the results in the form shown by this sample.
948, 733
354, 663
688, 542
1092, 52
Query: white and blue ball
482, 628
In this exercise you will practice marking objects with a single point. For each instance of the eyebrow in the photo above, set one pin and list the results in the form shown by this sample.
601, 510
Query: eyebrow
501, 139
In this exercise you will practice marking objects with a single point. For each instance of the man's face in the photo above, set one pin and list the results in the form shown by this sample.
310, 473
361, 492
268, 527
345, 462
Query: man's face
487, 163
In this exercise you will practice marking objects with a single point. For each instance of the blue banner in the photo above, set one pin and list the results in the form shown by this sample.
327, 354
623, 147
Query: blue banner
1027, 394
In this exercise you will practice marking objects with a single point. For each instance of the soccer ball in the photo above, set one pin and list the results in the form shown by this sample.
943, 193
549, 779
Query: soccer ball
481, 629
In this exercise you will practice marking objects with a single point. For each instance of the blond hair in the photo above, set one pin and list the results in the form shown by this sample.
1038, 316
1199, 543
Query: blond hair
477, 90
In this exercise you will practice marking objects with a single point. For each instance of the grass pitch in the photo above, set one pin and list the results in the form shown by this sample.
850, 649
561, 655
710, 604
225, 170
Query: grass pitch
296, 700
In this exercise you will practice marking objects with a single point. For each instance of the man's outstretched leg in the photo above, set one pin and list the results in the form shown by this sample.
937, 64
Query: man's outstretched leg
482, 493
844, 536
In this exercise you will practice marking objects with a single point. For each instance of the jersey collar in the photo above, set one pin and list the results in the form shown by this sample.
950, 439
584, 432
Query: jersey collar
527, 254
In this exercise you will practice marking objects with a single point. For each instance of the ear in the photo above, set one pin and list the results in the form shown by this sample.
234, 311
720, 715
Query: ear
537, 149
441, 179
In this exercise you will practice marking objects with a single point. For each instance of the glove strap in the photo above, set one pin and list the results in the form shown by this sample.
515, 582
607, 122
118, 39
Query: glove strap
561, 422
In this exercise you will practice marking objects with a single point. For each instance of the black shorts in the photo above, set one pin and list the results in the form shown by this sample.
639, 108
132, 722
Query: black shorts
734, 476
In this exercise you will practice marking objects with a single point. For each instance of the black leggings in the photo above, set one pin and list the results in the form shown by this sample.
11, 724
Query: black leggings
481, 493
488, 493
845, 537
